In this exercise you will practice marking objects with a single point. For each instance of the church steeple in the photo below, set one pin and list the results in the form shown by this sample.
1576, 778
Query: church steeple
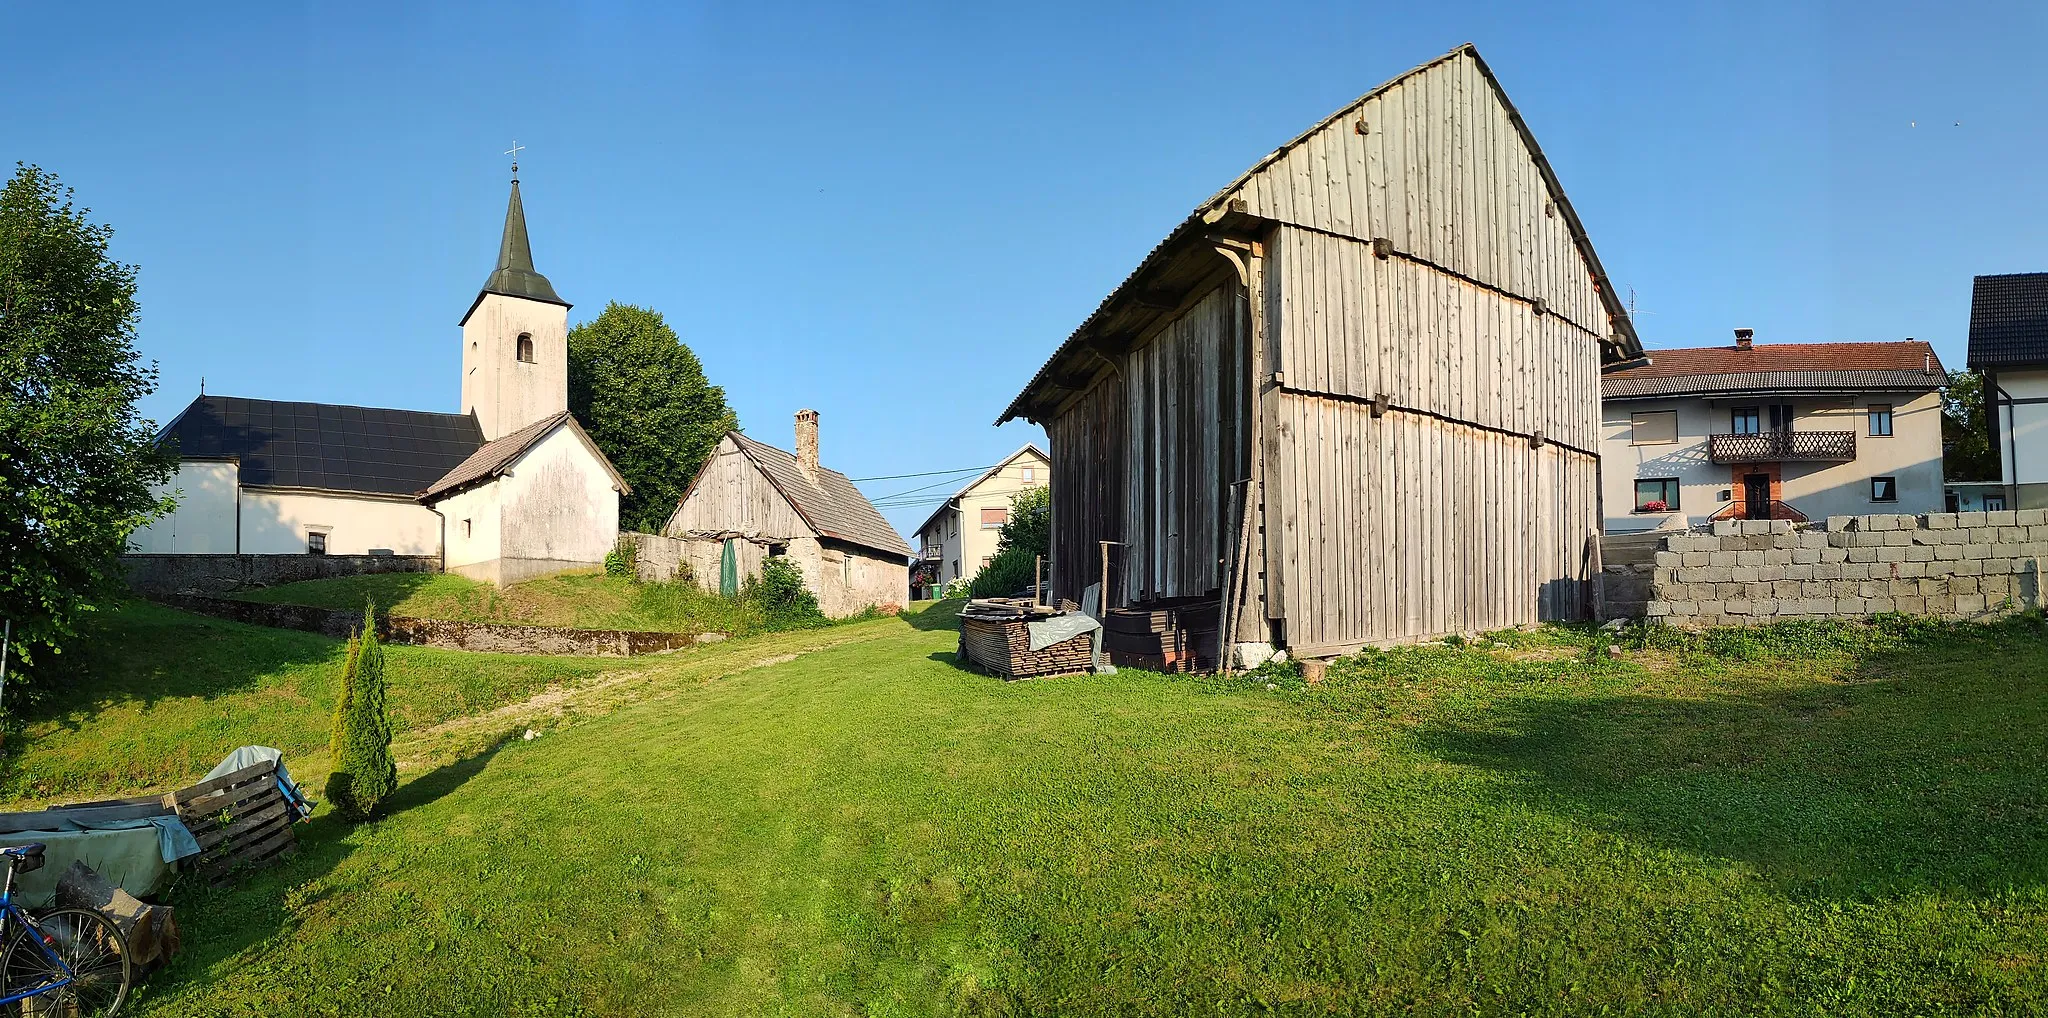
515, 337
515, 275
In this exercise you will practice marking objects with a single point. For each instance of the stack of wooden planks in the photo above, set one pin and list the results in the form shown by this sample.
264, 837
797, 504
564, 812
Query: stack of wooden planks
241, 821
994, 635
1167, 638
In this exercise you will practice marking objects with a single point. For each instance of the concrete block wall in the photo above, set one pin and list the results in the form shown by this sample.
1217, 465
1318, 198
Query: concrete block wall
1949, 565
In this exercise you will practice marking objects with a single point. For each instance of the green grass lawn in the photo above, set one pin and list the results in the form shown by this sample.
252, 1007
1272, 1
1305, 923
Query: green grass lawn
1814, 820
576, 601
170, 693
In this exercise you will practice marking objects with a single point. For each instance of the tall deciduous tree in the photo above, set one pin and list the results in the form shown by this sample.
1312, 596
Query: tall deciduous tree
1967, 452
76, 460
644, 399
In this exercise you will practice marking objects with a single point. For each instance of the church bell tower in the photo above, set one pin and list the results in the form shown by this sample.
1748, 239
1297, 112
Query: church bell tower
515, 338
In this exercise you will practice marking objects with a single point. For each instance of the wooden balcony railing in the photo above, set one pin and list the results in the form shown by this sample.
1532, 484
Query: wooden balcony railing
1783, 446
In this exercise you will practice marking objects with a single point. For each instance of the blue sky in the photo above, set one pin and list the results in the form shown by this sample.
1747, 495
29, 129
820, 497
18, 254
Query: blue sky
893, 214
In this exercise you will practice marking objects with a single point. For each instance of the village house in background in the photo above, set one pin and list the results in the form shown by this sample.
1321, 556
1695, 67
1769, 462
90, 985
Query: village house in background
2009, 347
1352, 400
752, 501
511, 488
960, 536
1795, 431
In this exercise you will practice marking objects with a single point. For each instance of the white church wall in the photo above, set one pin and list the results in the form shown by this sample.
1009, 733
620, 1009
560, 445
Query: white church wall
473, 528
204, 521
276, 522
560, 507
504, 392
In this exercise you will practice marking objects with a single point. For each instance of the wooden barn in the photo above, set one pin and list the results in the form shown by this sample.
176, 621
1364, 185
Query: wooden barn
1353, 399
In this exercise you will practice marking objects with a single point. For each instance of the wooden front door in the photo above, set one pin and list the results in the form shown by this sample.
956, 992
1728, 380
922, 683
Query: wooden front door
1756, 496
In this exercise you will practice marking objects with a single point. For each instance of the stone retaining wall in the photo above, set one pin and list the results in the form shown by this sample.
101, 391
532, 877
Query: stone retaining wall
219, 574
1949, 565
444, 633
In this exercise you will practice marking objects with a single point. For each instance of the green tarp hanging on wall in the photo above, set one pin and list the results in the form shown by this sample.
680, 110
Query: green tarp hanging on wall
729, 568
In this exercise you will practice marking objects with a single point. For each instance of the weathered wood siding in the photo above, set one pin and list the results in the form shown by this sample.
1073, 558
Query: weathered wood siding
1147, 458
1443, 173
1408, 527
732, 496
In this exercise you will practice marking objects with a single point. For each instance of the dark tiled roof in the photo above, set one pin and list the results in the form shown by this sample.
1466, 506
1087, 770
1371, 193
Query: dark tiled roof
2009, 320
515, 275
325, 446
1788, 367
831, 505
501, 452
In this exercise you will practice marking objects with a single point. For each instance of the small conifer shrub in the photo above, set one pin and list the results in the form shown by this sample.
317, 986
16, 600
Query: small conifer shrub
364, 775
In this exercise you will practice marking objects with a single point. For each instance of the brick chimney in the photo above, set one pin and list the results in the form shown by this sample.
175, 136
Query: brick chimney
1745, 339
807, 441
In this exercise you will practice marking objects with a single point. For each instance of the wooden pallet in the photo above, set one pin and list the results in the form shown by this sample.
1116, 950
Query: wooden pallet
241, 820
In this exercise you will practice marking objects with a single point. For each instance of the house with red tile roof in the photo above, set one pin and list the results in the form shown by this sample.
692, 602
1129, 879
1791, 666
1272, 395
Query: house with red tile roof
1796, 431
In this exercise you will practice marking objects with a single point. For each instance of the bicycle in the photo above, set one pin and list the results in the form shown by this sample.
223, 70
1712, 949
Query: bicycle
68, 961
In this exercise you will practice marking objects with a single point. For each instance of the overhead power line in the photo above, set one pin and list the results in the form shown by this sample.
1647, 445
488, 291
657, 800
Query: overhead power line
927, 473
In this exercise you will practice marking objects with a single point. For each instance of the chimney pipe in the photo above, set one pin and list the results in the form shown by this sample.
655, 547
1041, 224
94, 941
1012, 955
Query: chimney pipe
807, 441
1745, 339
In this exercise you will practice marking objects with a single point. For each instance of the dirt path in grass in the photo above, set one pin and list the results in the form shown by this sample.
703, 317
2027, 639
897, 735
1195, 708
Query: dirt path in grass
561, 705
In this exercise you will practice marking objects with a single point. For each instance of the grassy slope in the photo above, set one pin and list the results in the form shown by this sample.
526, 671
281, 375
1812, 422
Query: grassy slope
870, 831
582, 601
172, 693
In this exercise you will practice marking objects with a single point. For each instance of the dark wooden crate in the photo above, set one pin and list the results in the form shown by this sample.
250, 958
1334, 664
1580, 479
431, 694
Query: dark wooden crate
241, 821
1003, 648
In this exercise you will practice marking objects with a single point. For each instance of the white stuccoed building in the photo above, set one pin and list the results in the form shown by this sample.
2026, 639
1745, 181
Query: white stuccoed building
508, 489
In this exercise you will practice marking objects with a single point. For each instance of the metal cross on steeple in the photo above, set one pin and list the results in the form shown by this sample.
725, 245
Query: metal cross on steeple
514, 153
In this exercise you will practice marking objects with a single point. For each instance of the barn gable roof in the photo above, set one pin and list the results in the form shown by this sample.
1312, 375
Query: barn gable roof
324, 446
1220, 209
830, 505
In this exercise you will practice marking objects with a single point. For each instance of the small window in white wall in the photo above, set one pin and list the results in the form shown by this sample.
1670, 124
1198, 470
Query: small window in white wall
1030, 475
1656, 428
526, 347
468, 528
1884, 489
316, 543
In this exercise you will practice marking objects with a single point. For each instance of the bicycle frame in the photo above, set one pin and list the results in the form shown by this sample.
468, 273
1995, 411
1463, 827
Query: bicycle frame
12, 913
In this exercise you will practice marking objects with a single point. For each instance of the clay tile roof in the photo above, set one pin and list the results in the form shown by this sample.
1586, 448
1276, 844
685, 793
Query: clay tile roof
1782, 367
2009, 320
831, 504
500, 453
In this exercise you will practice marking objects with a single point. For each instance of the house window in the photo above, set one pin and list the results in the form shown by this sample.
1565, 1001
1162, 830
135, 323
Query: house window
1030, 475
1781, 417
1880, 420
986, 559
526, 348
993, 519
1884, 489
1744, 421
468, 529
316, 543
1657, 495
1994, 502
777, 550
956, 569
1658, 428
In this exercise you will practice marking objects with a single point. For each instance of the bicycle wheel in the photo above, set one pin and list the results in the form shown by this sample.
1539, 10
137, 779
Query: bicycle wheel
90, 945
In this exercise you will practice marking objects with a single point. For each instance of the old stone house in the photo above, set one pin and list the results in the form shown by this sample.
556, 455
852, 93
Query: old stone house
752, 501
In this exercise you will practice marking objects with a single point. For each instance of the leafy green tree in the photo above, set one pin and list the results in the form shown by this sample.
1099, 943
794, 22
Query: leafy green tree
359, 744
644, 399
76, 460
1025, 536
1967, 451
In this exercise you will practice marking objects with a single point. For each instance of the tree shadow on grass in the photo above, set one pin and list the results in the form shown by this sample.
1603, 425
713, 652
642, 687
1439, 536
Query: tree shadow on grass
220, 923
942, 615
1923, 772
